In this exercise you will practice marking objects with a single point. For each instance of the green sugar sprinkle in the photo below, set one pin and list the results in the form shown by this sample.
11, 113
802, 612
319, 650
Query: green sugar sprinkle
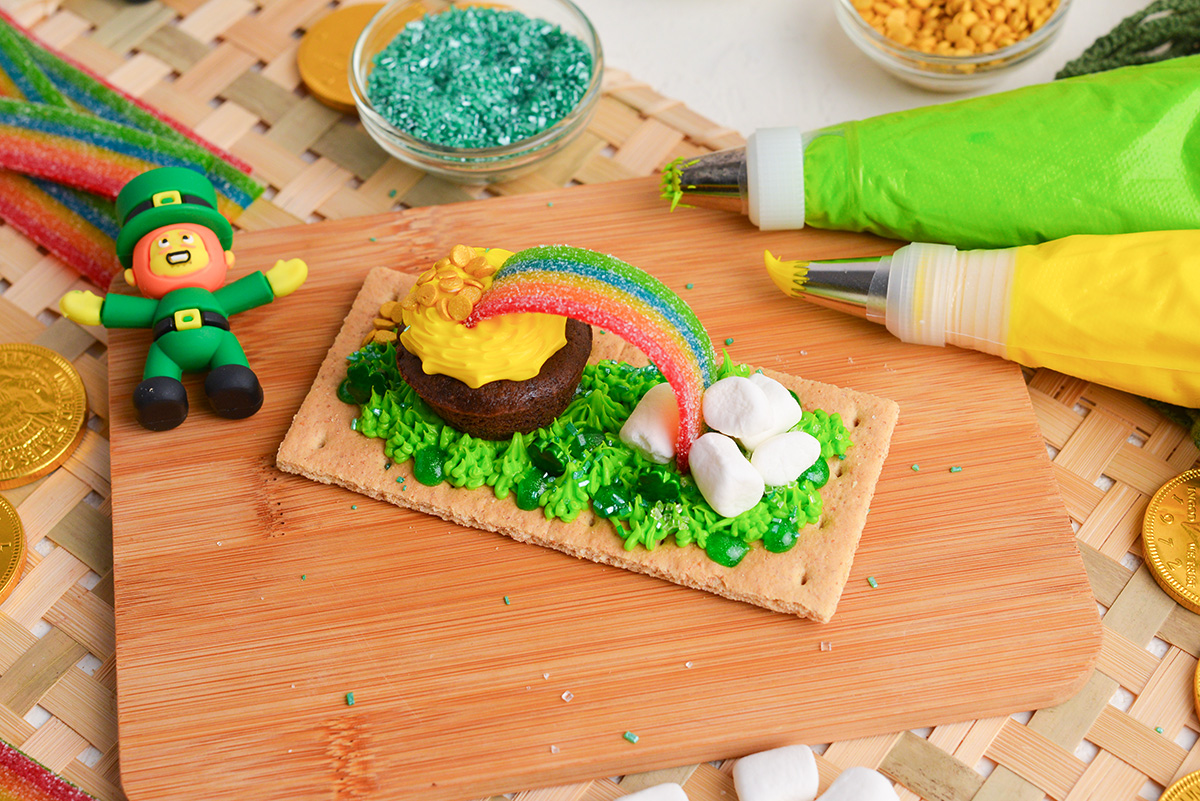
373, 239
506, 601
690, 286
956, 469
630, 736
871, 580
349, 699
303, 576
916, 468
479, 77
728, 340
1158, 729
354, 506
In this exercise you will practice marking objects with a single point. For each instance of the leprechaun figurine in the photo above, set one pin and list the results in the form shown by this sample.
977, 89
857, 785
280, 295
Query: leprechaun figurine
175, 245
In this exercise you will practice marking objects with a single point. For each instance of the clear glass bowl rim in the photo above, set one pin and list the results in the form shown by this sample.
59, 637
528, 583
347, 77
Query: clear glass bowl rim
1004, 56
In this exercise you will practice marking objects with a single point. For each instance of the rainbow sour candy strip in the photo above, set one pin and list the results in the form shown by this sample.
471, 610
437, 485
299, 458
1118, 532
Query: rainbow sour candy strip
75, 226
20, 77
86, 152
229, 174
93, 93
618, 297
23, 779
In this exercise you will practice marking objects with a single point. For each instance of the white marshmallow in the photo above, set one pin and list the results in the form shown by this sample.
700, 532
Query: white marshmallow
727, 481
783, 457
781, 774
659, 792
654, 425
737, 407
860, 784
785, 410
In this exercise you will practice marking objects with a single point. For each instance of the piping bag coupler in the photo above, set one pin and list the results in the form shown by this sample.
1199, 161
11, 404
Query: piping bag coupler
763, 180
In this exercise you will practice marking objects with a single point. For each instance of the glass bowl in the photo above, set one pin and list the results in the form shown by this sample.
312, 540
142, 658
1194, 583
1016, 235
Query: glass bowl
472, 165
940, 73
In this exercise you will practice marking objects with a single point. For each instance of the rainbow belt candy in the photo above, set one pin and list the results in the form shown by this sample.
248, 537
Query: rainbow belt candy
22, 779
618, 297
63, 123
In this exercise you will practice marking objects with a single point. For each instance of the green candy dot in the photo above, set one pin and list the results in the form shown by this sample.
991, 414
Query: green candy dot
429, 465
725, 550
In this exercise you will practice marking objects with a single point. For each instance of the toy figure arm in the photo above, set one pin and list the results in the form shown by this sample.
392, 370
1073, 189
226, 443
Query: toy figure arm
81, 306
287, 276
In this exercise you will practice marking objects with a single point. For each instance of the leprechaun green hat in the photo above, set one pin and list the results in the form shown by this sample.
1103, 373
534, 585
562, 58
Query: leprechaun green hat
167, 196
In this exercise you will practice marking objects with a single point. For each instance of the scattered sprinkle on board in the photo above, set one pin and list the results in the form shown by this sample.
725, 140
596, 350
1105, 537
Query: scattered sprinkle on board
631, 737
728, 340
956, 469
689, 286
506, 601
871, 580
916, 468
349, 699
354, 506
303, 576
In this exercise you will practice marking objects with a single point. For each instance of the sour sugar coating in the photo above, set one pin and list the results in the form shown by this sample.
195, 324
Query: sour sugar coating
89, 153
781, 774
618, 297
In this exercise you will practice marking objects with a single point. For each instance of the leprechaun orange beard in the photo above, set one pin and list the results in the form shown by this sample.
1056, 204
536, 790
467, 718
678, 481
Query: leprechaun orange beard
177, 256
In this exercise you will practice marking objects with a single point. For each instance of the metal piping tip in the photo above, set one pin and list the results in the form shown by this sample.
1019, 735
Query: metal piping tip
714, 180
841, 285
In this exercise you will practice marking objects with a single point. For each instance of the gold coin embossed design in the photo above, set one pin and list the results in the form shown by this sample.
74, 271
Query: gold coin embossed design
324, 54
1171, 538
43, 407
12, 548
1186, 788
1196, 690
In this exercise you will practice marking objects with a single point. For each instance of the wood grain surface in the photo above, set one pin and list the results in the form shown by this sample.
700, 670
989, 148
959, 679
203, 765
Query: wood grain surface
249, 602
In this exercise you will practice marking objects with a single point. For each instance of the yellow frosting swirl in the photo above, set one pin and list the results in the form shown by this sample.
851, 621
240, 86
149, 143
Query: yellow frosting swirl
512, 346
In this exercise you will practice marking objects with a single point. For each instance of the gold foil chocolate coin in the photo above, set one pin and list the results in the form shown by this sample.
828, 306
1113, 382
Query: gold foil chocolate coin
43, 407
324, 55
1186, 788
1171, 538
12, 548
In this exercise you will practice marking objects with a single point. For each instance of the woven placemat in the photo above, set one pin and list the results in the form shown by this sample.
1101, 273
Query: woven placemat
227, 68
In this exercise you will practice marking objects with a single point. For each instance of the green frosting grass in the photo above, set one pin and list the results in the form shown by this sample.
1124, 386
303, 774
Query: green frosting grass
579, 461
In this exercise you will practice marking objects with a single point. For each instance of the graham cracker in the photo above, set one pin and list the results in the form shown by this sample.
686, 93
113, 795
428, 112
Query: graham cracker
806, 580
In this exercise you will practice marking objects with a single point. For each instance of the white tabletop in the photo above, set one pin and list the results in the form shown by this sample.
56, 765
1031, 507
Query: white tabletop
751, 64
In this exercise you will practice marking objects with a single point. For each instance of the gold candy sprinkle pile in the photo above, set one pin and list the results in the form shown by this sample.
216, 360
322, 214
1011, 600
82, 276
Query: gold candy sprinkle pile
956, 27
452, 286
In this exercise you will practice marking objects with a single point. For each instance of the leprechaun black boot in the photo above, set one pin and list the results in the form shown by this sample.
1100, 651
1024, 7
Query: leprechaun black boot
161, 403
234, 391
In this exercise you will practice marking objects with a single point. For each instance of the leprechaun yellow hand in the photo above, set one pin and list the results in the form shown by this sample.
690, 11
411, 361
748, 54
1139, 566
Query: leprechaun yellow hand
81, 306
287, 276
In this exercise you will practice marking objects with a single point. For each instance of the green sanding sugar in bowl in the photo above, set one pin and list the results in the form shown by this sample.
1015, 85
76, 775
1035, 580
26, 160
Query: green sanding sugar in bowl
478, 77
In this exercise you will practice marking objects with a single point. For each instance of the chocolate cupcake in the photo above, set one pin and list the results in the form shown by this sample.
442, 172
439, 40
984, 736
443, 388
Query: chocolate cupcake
508, 374
499, 408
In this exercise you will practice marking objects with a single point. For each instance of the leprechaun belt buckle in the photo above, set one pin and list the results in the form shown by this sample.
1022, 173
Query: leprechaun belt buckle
187, 319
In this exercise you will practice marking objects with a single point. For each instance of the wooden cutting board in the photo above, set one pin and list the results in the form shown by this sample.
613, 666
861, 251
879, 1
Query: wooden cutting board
250, 602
